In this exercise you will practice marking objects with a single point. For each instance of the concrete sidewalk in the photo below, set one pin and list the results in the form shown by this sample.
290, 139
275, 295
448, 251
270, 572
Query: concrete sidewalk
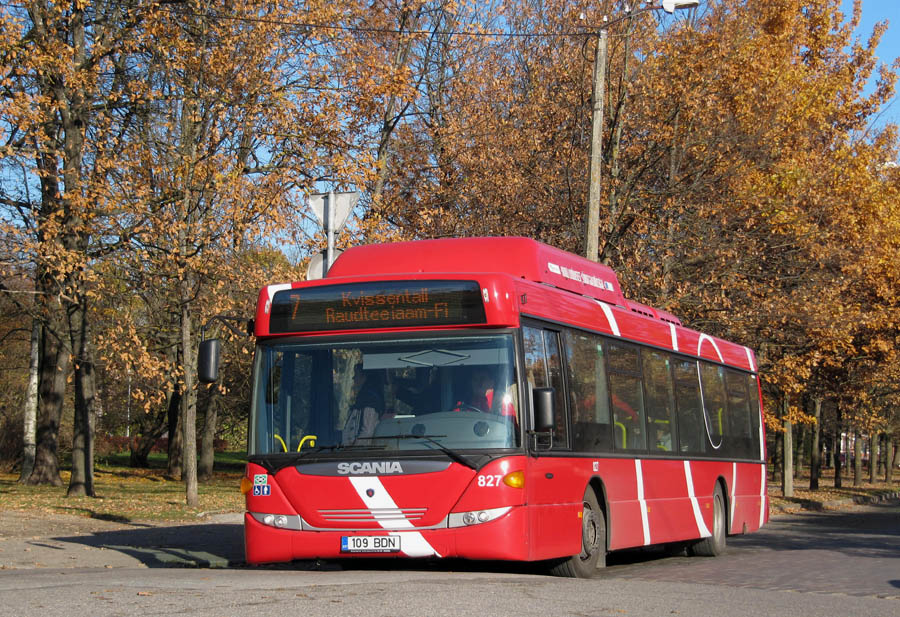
30, 540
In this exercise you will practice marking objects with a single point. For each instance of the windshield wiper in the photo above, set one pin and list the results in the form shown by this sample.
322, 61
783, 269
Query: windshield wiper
337, 448
454, 455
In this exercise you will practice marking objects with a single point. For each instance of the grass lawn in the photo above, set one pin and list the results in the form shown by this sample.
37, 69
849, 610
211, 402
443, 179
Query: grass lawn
125, 494
827, 496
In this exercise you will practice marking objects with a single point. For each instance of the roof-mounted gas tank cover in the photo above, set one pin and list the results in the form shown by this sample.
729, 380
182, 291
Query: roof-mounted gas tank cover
655, 313
520, 257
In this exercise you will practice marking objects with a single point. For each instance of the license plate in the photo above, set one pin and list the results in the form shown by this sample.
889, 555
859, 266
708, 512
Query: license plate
370, 544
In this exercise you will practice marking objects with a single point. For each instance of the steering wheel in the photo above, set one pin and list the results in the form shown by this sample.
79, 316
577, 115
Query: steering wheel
470, 407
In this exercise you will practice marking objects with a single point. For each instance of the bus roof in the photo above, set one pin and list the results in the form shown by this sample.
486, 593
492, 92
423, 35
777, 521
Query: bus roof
519, 257
416, 273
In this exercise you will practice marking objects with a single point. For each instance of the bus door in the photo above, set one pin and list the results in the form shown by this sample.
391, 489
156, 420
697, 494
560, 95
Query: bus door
551, 486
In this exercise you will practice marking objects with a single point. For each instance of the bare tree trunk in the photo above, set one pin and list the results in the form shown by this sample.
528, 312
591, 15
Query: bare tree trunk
151, 429
189, 409
82, 481
837, 450
778, 451
175, 465
873, 456
787, 478
208, 439
51, 389
889, 459
31, 403
392, 115
857, 458
814, 454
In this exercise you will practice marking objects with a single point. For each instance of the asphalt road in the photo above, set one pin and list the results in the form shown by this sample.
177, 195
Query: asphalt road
831, 563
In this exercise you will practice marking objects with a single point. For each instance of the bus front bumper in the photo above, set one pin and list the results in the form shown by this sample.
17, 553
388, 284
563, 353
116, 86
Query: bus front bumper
504, 538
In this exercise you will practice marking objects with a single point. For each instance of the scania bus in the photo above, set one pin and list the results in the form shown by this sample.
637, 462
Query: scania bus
491, 399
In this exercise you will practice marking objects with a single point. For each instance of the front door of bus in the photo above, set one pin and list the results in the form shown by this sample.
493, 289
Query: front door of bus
551, 492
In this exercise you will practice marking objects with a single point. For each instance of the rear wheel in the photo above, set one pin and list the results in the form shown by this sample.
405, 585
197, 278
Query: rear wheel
715, 544
593, 542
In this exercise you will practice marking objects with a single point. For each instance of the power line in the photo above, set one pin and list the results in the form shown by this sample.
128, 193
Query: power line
586, 31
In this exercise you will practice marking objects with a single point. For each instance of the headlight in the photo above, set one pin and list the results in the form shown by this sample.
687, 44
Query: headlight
280, 521
475, 517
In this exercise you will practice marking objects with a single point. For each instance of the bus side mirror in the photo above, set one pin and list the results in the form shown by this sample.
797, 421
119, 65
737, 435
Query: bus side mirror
544, 414
208, 360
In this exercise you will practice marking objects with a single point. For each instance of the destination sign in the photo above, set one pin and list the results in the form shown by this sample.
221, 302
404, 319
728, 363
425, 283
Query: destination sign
383, 304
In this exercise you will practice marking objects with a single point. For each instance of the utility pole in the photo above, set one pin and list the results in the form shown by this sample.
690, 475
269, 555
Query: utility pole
592, 220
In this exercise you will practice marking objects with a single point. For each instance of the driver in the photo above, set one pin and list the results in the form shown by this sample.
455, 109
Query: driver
367, 407
481, 392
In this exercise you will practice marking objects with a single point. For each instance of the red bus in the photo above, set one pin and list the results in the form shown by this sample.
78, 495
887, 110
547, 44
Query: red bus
494, 399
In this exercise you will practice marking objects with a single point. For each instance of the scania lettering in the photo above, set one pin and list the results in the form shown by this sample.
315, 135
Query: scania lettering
493, 399
369, 468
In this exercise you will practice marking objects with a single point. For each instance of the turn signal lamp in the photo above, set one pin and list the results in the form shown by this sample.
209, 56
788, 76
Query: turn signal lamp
515, 479
246, 485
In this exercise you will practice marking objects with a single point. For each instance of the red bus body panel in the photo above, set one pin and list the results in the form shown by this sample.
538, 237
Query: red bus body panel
648, 500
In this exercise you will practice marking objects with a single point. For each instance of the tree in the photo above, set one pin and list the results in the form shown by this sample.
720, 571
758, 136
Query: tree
65, 85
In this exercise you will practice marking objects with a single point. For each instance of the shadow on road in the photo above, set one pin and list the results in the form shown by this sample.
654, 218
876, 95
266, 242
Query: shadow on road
206, 545
869, 532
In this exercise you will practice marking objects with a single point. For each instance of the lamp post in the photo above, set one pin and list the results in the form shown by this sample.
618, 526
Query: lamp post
592, 220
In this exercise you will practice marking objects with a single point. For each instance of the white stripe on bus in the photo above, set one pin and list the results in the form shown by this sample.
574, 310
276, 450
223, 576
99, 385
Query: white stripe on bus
733, 493
271, 290
413, 543
698, 515
645, 522
607, 310
706, 337
750, 359
762, 495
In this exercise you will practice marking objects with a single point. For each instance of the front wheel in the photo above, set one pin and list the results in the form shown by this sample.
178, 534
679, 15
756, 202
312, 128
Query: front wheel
593, 542
715, 544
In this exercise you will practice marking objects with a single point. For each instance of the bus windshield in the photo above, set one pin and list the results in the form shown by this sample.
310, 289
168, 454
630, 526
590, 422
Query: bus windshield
442, 392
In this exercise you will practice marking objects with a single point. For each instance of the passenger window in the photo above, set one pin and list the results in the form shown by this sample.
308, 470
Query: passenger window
691, 428
588, 396
627, 396
738, 436
715, 407
660, 400
753, 391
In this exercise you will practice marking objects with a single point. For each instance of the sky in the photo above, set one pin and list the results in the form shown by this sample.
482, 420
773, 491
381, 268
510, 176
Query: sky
874, 11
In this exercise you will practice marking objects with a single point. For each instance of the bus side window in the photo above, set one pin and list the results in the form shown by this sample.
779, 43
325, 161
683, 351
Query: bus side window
627, 397
755, 419
660, 399
588, 395
715, 404
738, 431
691, 430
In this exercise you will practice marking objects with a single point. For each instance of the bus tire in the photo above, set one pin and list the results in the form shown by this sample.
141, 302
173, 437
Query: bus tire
593, 542
714, 545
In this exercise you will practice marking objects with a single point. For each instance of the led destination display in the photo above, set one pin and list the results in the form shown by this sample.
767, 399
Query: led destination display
383, 304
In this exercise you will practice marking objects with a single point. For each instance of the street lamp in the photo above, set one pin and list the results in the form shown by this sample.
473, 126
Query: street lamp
592, 220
